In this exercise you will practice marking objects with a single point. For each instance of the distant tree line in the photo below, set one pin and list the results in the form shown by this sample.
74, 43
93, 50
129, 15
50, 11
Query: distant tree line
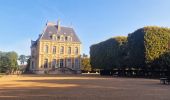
8, 62
145, 52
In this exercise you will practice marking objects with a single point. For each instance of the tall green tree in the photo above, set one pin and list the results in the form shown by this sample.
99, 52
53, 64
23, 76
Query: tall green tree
12, 56
4, 64
8, 61
22, 59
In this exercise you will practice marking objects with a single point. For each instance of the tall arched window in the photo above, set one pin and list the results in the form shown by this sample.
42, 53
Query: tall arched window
46, 63
68, 63
54, 63
69, 50
54, 49
76, 50
76, 63
62, 50
46, 49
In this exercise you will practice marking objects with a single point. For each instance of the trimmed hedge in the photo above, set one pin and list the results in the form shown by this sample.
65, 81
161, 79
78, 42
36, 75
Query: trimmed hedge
148, 44
108, 54
145, 49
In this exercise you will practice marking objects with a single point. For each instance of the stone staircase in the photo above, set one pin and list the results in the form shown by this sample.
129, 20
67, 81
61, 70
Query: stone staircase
63, 70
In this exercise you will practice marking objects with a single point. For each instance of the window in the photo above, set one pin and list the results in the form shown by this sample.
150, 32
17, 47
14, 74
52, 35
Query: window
66, 38
33, 53
32, 64
76, 50
58, 38
69, 62
53, 37
54, 63
69, 50
62, 38
54, 49
61, 63
46, 63
46, 48
76, 63
69, 38
62, 50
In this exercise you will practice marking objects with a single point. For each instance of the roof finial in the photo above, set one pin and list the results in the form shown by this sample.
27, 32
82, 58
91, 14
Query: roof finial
58, 24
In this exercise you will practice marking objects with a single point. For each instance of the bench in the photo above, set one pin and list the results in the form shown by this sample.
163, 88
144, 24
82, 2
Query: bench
165, 80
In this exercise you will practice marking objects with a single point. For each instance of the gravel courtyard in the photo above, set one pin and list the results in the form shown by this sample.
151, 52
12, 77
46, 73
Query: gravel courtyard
80, 87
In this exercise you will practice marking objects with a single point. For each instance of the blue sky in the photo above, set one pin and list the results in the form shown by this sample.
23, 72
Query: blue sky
93, 20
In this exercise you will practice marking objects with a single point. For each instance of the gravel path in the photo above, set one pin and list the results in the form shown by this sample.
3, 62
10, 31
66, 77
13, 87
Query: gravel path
78, 87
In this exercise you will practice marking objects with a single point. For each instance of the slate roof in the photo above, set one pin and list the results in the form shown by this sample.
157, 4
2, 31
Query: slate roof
65, 31
52, 28
33, 43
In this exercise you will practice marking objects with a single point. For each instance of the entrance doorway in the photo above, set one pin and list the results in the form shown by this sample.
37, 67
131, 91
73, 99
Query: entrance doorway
61, 63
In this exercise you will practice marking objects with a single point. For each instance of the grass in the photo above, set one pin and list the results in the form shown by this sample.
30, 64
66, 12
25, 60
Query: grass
80, 87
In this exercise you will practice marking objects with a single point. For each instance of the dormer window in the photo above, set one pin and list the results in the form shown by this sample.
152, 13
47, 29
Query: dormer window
70, 38
66, 38
53, 37
62, 38
58, 38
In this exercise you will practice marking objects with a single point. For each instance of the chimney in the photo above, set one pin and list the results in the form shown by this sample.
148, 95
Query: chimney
58, 24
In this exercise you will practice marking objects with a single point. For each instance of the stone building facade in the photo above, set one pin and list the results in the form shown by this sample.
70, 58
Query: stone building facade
56, 51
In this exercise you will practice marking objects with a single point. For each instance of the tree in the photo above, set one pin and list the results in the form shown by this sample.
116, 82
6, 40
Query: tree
8, 61
4, 64
85, 61
22, 59
12, 56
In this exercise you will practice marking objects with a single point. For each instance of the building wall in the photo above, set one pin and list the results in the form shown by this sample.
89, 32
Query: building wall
41, 55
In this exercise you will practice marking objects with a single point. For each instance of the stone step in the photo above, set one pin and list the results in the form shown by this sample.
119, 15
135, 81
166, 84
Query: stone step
62, 71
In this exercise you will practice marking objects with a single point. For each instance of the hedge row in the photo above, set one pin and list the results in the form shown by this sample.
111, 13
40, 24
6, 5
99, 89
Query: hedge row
145, 49
109, 53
